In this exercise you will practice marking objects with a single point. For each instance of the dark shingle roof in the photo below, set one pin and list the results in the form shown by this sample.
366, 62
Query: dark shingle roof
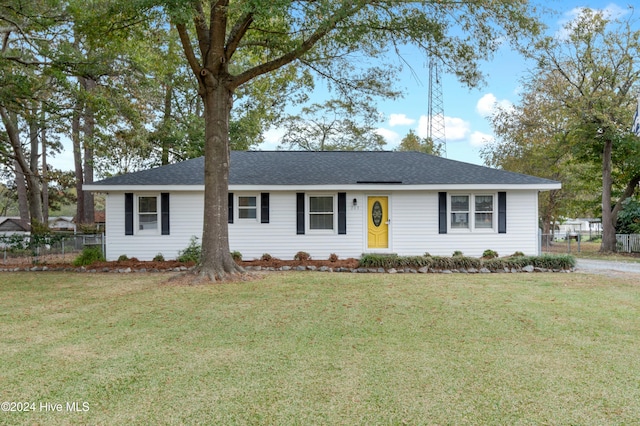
330, 168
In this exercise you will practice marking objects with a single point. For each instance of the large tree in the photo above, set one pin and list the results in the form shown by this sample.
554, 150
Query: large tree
325, 37
27, 98
335, 125
597, 73
533, 137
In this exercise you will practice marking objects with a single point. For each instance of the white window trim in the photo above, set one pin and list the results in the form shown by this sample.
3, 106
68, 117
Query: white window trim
136, 215
236, 208
469, 212
307, 213
472, 214
493, 228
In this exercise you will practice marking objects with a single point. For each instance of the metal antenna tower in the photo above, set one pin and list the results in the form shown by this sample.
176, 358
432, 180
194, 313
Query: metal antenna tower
436, 108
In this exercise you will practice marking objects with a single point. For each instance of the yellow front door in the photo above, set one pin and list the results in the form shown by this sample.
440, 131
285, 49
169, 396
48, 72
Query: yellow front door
378, 223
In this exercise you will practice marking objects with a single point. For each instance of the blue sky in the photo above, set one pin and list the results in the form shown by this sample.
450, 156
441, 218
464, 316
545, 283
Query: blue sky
467, 127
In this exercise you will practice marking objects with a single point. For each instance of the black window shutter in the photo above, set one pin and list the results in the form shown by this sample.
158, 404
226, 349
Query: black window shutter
442, 212
230, 218
264, 207
128, 213
164, 209
300, 213
342, 212
502, 212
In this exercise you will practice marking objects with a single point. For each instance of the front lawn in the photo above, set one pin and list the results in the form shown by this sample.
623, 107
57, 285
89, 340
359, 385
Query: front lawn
320, 348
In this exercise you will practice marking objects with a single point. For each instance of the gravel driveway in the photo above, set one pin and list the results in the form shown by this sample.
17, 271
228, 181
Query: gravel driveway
591, 266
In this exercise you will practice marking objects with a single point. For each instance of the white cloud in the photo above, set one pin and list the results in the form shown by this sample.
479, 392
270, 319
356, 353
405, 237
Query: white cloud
392, 138
455, 129
478, 139
272, 138
488, 104
400, 120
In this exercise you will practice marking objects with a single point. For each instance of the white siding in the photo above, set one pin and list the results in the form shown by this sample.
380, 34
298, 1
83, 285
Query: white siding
279, 239
185, 221
413, 228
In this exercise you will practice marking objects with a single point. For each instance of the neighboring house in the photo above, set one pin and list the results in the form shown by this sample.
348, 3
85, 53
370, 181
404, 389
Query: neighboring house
14, 225
582, 226
347, 203
62, 223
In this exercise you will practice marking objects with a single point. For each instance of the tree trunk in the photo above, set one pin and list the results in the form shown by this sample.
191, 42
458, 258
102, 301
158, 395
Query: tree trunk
216, 262
21, 189
88, 129
608, 225
168, 94
77, 160
45, 167
33, 185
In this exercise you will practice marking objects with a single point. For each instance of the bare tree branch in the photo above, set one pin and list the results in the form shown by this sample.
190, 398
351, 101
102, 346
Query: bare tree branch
188, 50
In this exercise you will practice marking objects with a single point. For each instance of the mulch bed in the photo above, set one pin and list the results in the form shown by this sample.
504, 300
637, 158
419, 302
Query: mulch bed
168, 265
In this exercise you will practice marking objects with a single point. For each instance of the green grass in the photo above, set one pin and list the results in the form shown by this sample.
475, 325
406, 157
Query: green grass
320, 348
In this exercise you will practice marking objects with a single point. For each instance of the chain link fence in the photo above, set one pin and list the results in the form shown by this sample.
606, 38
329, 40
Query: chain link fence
49, 248
578, 242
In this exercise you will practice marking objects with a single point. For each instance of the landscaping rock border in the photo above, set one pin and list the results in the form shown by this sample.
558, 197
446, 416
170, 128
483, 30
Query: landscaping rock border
423, 270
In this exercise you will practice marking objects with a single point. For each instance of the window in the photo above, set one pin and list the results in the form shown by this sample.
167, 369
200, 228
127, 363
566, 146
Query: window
459, 211
321, 212
484, 211
147, 213
472, 212
247, 208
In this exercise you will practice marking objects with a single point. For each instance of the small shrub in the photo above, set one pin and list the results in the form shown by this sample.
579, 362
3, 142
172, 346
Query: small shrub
236, 255
463, 262
88, 228
89, 255
489, 254
443, 263
302, 256
457, 253
158, 258
333, 257
376, 260
38, 228
495, 264
266, 257
518, 254
191, 253
415, 261
123, 258
554, 261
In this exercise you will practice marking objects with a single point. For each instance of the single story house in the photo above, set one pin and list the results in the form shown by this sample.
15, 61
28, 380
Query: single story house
347, 203
14, 225
62, 223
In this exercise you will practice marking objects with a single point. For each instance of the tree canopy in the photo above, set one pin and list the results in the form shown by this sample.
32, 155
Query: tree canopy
413, 142
575, 116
